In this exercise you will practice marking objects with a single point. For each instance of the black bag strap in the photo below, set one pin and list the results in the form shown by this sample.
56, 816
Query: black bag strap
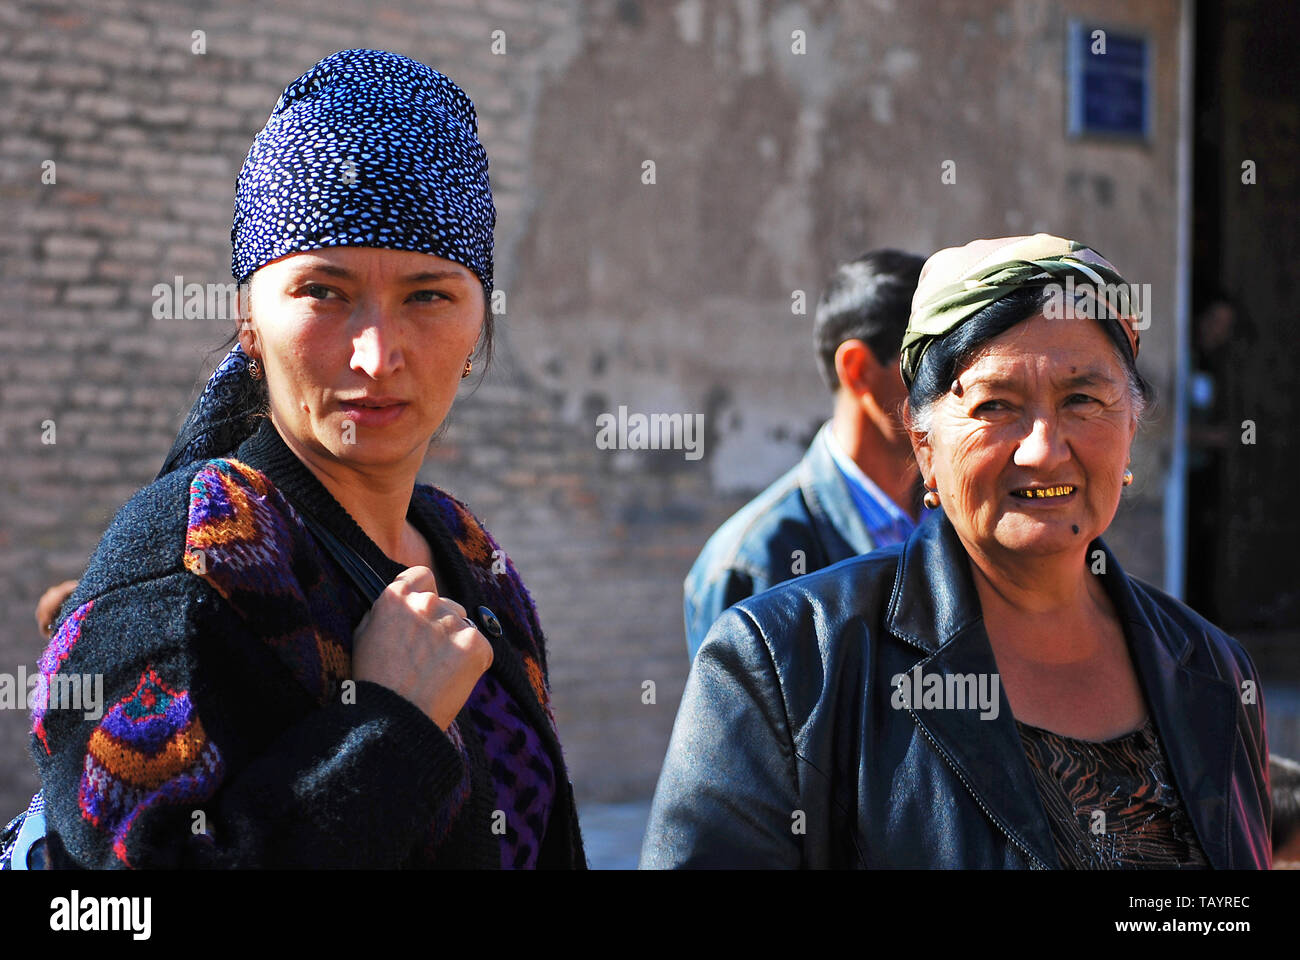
362, 574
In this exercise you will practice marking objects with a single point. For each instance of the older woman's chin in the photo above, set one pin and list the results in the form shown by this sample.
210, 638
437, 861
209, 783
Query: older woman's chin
1044, 536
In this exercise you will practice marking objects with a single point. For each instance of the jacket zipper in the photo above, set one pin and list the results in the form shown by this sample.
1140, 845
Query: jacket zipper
1034, 862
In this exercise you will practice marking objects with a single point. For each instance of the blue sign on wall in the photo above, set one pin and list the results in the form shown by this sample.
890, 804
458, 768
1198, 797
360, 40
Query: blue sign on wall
1109, 83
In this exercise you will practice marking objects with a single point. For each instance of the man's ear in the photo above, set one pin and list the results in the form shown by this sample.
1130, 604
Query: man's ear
855, 366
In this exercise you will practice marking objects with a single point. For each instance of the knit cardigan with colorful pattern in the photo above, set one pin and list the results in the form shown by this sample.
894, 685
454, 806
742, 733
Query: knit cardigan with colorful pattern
231, 734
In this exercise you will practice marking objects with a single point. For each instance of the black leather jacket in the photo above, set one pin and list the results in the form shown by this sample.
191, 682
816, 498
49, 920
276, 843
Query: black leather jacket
787, 751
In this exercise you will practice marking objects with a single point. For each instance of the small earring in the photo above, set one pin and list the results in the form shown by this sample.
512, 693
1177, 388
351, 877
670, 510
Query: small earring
469, 366
1128, 477
931, 499
255, 369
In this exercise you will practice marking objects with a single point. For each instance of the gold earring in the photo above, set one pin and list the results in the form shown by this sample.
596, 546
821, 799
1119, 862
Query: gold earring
931, 499
1128, 477
255, 369
469, 366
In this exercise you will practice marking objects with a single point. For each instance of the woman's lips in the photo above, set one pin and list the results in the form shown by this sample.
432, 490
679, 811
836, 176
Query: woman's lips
372, 416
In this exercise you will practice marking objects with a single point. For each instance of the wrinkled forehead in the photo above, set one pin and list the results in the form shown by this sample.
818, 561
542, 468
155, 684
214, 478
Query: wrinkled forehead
1043, 351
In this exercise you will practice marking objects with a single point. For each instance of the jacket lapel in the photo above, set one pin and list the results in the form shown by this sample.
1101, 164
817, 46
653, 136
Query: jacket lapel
935, 608
1194, 714
836, 518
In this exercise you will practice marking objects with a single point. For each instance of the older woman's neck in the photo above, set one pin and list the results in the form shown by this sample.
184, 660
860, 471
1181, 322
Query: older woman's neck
1046, 612
1032, 587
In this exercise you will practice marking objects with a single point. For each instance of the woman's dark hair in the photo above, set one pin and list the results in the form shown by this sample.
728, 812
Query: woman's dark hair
945, 358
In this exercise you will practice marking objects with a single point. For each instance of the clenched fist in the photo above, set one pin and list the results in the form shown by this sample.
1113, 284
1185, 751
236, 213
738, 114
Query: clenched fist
421, 645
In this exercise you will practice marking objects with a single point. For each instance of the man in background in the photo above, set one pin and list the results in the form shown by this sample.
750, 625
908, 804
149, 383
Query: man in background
857, 488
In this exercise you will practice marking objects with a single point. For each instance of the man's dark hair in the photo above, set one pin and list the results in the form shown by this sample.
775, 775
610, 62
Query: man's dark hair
866, 299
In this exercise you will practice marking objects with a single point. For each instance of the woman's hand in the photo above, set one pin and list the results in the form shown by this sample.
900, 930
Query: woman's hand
421, 645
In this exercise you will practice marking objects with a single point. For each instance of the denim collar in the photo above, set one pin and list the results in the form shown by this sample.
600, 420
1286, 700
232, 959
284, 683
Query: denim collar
835, 516
885, 521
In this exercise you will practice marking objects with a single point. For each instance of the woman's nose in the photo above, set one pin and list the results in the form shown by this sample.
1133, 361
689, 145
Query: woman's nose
1043, 446
375, 350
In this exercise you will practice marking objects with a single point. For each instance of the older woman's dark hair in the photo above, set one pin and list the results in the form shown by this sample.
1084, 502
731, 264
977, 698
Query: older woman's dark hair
946, 358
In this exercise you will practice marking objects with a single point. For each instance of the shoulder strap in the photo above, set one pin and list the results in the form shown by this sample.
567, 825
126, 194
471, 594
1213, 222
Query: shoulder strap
363, 575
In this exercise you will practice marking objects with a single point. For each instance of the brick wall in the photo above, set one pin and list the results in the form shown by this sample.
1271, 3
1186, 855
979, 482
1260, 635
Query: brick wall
667, 297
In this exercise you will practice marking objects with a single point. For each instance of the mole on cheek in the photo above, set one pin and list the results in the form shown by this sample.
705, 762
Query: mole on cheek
1074, 527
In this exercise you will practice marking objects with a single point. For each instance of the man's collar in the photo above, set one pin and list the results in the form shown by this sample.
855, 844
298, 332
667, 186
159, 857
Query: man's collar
855, 476
835, 516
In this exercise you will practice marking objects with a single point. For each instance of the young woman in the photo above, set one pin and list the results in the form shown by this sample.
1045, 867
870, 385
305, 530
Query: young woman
259, 711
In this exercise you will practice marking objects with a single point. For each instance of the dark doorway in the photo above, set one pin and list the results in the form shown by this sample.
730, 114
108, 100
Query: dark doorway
1243, 528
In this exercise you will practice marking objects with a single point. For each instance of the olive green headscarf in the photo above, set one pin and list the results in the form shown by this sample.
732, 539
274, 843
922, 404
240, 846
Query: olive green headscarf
959, 282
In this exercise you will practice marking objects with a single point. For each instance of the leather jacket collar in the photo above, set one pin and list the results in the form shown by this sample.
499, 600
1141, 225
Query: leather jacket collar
935, 608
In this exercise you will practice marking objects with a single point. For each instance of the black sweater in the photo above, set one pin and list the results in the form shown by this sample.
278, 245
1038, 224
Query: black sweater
231, 734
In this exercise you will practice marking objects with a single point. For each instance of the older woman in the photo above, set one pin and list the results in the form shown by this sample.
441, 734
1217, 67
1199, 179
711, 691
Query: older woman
996, 691
258, 710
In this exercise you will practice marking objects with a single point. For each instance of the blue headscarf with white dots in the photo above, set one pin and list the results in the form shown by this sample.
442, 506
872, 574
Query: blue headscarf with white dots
367, 149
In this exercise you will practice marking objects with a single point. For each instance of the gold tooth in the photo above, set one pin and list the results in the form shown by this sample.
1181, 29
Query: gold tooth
1041, 492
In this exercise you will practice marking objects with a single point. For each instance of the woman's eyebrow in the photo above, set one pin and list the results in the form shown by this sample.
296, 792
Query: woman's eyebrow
1089, 378
995, 381
343, 273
